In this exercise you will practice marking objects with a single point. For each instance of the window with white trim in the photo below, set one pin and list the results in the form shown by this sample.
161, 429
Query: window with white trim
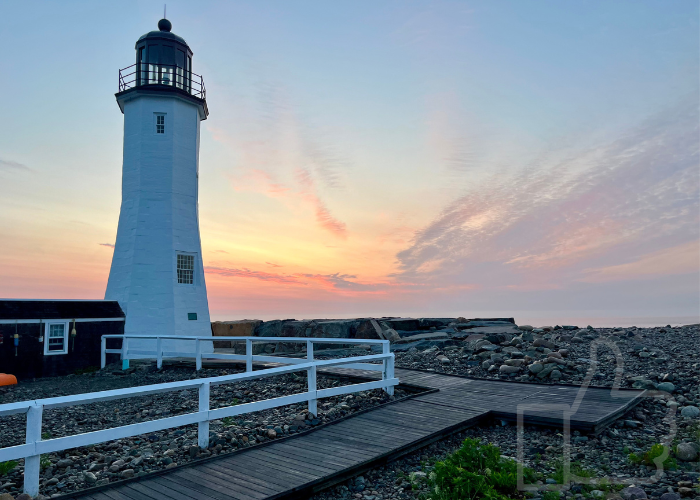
56, 338
185, 269
160, 123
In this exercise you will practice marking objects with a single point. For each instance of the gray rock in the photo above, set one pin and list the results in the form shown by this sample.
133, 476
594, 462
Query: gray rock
526, 328
643, 384
543, 343
66, 462
443, 359
507, 369
633, 493
89, 477
549, 368
127, 473
670, 496
690, 411
666, 386
536, 368
686, 452
555, 375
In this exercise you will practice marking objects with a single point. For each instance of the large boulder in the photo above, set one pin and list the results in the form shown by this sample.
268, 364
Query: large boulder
686, 452
270, 328
690, 411
334, 329
633, 493
428, 323
405, 324
239, 328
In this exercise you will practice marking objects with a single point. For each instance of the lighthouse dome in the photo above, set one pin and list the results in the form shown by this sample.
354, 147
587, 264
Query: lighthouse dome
163, 33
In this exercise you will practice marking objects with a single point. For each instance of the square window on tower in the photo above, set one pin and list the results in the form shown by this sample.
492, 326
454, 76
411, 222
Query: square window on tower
185, 269
160, 124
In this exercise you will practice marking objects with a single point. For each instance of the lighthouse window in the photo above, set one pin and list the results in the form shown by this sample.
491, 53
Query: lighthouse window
160, 124
56, 338
185, 269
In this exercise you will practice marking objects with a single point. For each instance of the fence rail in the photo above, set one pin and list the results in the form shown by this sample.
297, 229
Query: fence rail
34, 446
159, 354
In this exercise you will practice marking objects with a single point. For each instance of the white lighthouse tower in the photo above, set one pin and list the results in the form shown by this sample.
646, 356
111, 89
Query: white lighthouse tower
157, 273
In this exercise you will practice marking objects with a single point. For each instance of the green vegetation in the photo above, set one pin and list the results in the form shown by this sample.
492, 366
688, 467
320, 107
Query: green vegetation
44, 462
87, 369
476, 471
6, 467
550, 495
650, 457
46, 435
576, 469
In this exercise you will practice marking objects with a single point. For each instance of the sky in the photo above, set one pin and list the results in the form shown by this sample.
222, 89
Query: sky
536, 160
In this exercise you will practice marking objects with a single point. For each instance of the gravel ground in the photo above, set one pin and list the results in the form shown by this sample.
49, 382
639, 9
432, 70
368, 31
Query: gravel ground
84, 467
657, 358
665, 358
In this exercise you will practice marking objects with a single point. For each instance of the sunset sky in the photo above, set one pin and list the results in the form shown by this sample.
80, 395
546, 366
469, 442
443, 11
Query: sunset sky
515, 158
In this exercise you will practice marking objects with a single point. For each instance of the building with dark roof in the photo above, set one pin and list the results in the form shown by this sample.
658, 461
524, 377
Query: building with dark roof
40, 338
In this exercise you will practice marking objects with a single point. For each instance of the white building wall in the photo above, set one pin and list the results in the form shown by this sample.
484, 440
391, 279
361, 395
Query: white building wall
159, 218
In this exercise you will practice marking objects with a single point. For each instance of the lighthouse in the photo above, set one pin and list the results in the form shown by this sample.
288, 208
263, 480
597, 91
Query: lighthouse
157, 275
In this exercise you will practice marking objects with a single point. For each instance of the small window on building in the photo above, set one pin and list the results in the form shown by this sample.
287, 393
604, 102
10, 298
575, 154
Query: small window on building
192, 316
185, 269
56, 338
160, 124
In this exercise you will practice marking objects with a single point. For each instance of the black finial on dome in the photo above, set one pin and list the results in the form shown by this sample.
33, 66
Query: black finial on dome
164, 25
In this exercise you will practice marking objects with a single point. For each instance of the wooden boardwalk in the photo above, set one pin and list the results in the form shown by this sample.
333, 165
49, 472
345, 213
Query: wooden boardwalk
300, 465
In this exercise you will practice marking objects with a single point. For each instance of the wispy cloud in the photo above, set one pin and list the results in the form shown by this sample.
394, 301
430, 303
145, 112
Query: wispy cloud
638, 193
110, 245
336, 281
8, 165
681, 259
324, 218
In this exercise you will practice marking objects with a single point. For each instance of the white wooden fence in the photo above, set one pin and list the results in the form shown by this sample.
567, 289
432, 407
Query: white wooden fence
34, 446
159, 354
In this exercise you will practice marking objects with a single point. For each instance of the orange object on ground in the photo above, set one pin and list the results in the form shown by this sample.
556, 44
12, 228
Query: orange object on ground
6, 379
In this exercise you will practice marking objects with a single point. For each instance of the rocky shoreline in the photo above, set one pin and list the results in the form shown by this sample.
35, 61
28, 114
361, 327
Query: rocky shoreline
665, 359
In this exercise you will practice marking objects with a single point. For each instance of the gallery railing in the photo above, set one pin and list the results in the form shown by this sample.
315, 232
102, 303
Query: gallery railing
169, 75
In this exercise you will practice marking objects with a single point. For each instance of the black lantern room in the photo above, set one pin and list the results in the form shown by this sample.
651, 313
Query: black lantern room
163, 62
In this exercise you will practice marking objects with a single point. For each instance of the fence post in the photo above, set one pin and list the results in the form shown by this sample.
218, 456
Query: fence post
311, 376
159, 353
309, 350
203, 427
32, 464
125, 353
248, 355
388, 371
103, 353
198, 355
311, 380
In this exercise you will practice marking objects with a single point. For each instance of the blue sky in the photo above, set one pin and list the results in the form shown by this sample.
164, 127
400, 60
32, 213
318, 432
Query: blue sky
523, 158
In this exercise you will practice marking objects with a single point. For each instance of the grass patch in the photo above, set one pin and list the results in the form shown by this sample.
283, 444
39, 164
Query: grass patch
576, 469
476, 471
87, 369
651, 457
6, 467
